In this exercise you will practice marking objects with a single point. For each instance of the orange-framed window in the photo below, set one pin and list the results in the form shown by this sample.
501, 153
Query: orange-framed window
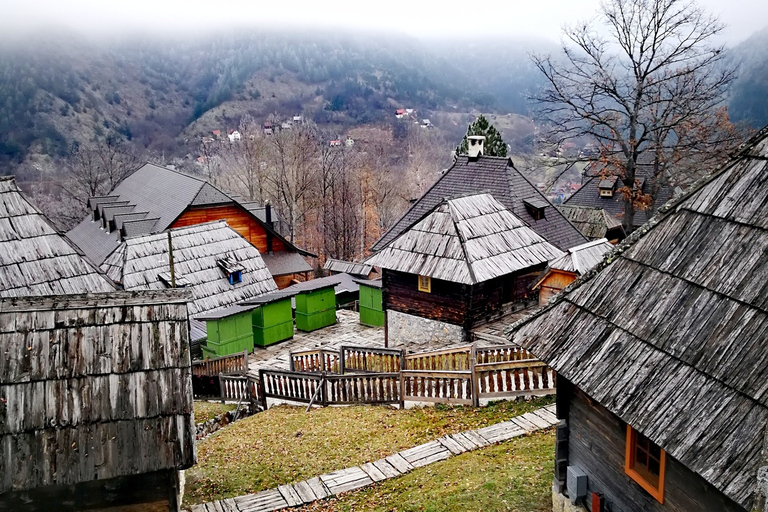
425, 284
644, 463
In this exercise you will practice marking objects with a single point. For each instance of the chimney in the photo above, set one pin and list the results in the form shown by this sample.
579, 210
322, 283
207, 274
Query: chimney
475, 145
268, 220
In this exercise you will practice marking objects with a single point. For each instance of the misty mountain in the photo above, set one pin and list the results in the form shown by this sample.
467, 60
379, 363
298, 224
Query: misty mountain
748, 99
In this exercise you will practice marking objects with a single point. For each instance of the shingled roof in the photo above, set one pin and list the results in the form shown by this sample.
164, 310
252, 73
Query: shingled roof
583, 257
589, 195
466, 240
498, 177
671, 332
593, 222
146, 202
93, 387
348, 267
199, 251
34, 258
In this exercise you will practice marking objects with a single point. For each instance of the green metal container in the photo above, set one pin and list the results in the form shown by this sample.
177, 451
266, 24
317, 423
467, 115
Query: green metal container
273, 322
371, 306
229, 334
316, 308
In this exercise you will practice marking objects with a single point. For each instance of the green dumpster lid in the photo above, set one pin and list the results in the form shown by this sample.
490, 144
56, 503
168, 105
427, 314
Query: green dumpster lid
269, 298
372, 283
225, 312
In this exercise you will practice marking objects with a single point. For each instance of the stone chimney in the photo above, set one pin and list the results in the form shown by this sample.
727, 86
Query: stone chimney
475, 144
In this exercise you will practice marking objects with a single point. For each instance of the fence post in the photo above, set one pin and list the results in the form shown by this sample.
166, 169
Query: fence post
342, 357
324, 399
245, 361
221, 387
292, 366
322, 361
262, 391
473, 375
402, 379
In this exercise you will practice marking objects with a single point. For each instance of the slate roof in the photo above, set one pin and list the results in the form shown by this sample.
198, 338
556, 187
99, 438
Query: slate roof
197, 250
34, 258
583, 257
499, 177
466, 240
348, 267
589, 195
593, 222
671, 332
146, 202
105, 378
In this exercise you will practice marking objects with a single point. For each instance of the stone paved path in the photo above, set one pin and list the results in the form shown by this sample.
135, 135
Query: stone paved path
336, 482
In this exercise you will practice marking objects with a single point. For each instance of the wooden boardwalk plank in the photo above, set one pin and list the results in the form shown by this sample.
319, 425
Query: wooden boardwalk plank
525, 424
452, 445
546, 416
435, 457
305, 492
422, 451
198, 508
464, 441
317, 486
399, 463
372, 471
263, 501
475, 438
346, 480
385, 467
229, 505
536, 420
290, 495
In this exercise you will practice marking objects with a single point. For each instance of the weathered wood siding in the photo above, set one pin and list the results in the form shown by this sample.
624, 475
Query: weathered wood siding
489, 297
553, 283
237, 218
447, 302
596, 444
94, 387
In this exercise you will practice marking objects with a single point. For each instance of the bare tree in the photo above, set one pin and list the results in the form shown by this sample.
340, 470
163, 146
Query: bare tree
637, 88
96, 168
246, 161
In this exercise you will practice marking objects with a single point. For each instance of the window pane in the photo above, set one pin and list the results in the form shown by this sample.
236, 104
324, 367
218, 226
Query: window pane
653, 466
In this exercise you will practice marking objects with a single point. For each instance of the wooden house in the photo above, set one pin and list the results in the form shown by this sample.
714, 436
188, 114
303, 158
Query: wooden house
594, 223
154, 199
564, 270
600, 190
499, 177
95, 402
34, 258
661, 356
358, 270
217, 265
462, 264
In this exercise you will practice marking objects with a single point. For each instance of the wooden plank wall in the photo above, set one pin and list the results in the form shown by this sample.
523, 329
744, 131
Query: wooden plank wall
554, 282
237, 218
596, 444
93, 389
447, 301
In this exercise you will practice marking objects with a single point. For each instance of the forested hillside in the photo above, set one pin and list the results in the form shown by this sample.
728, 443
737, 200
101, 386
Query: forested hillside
749, 93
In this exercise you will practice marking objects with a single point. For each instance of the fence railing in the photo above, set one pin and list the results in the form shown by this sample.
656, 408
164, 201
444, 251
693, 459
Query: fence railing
367, 388
371, 359
228, 365
463, 375
451, 359
453, 387
320, 360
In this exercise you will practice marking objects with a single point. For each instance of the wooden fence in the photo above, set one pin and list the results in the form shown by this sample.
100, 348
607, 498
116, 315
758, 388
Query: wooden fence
461, 375
228, 365
371, 360
320, 360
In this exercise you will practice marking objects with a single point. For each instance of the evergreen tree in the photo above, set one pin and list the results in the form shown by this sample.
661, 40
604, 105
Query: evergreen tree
494, 144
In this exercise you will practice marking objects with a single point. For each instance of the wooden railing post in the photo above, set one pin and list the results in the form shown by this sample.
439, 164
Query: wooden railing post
245, 361
474, 385
342, 357
262, 390
402, 379
221, 387
324, 398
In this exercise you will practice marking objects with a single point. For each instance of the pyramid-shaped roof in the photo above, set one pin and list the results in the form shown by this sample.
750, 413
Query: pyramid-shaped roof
466, 240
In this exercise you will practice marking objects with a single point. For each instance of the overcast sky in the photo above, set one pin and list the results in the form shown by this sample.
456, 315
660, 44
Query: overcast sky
423, 19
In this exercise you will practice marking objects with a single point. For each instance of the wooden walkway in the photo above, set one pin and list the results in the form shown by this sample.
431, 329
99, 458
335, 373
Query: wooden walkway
350, 479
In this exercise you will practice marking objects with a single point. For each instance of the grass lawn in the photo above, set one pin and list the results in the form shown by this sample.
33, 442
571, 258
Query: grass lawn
514, 475
204, 411
285, 444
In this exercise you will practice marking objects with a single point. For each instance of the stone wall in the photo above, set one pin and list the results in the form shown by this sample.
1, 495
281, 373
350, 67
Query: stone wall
207, 428
415, 333
562, 503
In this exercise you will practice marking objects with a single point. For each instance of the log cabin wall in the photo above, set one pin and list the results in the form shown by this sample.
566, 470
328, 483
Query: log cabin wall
596, 444
237, 218
447, 301
489, 297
